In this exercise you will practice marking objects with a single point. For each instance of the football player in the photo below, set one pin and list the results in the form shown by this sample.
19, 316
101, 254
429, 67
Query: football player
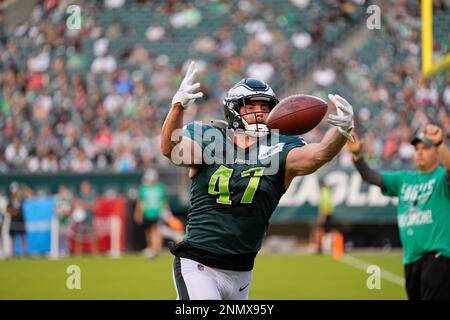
234, 192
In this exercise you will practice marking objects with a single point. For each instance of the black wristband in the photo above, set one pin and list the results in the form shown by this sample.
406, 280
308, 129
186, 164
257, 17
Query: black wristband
358, 156
439, 143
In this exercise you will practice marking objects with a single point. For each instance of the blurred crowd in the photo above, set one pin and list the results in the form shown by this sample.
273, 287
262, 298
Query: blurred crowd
71, 102
95, 98
383, 81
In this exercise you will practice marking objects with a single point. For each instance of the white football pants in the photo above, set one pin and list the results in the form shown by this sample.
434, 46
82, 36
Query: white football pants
195, 281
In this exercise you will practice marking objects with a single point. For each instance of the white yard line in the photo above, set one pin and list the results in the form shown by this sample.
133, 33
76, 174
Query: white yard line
362, 265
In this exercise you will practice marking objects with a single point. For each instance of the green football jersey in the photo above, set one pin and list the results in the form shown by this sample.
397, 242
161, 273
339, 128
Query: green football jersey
153, 198
423, 211
236, 190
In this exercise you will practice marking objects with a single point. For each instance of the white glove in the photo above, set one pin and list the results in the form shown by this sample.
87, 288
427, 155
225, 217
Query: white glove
343, 120
185, 94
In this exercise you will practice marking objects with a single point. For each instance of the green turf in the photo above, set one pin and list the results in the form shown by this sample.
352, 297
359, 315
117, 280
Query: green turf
135, 277
389, 262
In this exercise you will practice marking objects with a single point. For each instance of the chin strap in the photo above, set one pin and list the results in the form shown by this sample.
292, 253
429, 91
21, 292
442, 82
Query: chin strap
256, 130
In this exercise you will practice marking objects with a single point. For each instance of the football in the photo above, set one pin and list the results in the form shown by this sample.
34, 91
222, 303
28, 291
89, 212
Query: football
297, 114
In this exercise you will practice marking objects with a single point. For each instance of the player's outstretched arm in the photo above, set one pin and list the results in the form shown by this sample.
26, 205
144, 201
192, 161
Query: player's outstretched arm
367, 174
306, 160
171, 130
436, 135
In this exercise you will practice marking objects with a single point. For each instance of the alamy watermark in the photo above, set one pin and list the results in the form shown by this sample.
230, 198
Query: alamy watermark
374, 20
213, 146
73, 22
374, 280
74, 280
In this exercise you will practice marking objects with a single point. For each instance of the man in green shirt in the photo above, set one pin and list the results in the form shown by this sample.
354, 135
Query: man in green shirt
423, 212
152, 198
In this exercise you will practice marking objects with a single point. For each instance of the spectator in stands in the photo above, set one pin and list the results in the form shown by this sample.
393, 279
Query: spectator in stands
81, 163
155, 32
390, 147
104, 63
114, 102
324, 77
406, 150
152, 200
260, 69
16, 154
114, 4
41, 79
301, 40
123, 84
204, 44
3, 35
18, 193
125, 161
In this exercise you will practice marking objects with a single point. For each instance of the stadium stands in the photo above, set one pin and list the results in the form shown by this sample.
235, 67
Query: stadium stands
75, 98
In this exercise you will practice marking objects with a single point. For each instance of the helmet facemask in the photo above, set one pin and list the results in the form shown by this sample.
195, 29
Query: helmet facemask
257, 129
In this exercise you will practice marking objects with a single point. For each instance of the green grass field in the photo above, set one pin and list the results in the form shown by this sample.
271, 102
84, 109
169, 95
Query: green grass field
135, 277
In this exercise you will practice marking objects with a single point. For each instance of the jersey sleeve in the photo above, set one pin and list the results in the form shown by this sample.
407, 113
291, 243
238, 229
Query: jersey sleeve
289, 144
295, 143
392, 182
196, 132
206, 136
